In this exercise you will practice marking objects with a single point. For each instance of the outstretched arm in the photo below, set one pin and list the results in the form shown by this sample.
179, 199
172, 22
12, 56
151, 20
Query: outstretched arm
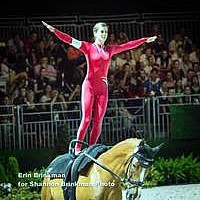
132, 44
63, 36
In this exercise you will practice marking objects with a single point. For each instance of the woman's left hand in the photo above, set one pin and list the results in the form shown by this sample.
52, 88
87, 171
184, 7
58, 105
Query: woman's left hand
151, 39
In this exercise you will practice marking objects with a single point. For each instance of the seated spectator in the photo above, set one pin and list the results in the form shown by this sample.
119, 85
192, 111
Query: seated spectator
186, 64
159, 45
177, 70
38, 86
196, 66
187, 95
175, 42
149, 65
195, 86
189, 77
46, 70
187, 43
130, 60
172, 99
117, 91
144, 58
180, 53
194, 55
122, 37
164, 62
136, 53
141, 77
46, 97
198, 76
73, 102
123, 74
31, 42
9, 74
179, 87
170, 81
152, 84
6, 117
71, 71
119, 61
25, 98
15, 45
112, 39
73, 53
173, 54
45, 103
58, 103
132, 87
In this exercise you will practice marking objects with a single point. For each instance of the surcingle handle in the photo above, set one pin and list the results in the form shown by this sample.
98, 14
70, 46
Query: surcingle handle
73, 143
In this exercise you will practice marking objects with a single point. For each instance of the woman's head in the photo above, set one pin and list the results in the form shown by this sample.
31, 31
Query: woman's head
100, 32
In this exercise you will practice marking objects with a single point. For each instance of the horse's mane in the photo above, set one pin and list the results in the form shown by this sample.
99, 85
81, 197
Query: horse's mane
130, 143
122, 149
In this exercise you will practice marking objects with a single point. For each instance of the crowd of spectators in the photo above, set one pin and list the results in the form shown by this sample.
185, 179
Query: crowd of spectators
43, 69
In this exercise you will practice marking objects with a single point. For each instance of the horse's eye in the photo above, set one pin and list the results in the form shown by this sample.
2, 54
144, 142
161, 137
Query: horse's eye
134, 165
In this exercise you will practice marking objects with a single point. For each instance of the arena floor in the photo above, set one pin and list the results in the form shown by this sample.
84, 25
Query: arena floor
172, 192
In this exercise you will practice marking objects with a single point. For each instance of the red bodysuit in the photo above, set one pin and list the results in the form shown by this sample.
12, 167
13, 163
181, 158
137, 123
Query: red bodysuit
94, 95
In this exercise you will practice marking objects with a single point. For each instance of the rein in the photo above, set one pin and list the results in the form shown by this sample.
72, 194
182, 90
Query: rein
130, 179
125, 179
103, 166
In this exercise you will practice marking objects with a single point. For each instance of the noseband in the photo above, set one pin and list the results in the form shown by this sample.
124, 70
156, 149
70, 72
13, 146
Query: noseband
144, 161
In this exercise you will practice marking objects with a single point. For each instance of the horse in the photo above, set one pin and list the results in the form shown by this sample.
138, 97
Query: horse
118, 174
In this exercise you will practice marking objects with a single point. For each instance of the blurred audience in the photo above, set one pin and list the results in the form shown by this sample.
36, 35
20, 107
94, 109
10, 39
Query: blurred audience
41, 70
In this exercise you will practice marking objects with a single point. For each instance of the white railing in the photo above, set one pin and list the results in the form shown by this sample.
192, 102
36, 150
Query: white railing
149, 118
136, 25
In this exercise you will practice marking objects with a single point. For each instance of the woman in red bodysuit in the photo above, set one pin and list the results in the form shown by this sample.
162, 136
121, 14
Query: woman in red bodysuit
94, 95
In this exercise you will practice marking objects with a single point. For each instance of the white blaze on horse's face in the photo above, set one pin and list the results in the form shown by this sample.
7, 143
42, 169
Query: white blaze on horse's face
139, 189
137, 173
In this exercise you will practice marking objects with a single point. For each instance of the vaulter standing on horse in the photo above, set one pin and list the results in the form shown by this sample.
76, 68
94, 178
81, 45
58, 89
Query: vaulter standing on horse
94, 95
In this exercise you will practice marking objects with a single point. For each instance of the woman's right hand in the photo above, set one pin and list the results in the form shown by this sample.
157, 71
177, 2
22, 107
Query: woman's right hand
51, 28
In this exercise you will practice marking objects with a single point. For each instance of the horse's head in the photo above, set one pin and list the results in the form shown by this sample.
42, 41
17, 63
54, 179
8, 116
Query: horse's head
137, 165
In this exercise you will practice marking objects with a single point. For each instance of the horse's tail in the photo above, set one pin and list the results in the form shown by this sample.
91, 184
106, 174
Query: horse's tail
46, 191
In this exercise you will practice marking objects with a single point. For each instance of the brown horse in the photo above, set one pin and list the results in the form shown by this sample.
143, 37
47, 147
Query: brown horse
117, 174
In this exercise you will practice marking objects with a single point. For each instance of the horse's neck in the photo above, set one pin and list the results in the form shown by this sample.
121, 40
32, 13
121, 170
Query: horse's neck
116, 158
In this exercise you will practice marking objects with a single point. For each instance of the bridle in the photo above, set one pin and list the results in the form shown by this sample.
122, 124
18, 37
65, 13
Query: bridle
127, 179
144, 163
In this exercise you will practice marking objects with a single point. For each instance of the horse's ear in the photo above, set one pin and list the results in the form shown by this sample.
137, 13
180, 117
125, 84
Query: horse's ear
157, 148
142, 143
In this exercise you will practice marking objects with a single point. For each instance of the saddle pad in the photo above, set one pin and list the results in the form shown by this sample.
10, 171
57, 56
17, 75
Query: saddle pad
60, 165
94, 151
80, 163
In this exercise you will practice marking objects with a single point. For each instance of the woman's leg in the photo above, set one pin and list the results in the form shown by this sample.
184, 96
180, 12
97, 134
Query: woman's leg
87, 100
100, 105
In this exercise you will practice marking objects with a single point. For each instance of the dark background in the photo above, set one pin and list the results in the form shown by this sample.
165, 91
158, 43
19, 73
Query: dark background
93, 7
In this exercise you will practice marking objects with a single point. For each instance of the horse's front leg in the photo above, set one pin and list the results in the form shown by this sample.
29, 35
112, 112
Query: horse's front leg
46, 191
114, 193
56, 189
